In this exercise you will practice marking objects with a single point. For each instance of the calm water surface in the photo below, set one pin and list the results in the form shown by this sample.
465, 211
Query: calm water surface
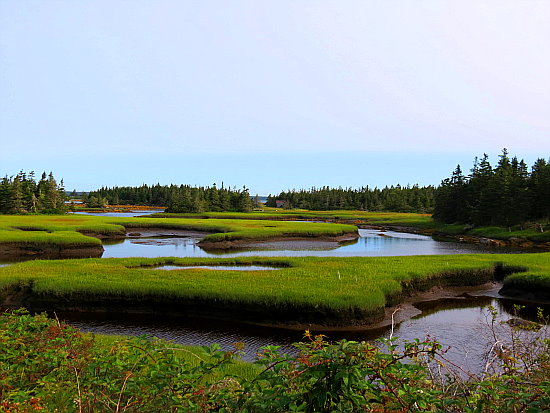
135, 213
371, 243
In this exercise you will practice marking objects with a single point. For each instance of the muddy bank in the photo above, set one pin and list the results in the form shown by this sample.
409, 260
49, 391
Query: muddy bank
520, 243
14, 251
525, 293
324, 242
307, 242
410, 307
11, 251
298, 319
492, 242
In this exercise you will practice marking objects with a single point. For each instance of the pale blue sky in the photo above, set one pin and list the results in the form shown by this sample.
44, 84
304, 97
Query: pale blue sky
270, 94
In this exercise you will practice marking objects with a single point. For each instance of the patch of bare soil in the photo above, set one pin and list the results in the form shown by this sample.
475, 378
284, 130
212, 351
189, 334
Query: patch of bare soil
10, 251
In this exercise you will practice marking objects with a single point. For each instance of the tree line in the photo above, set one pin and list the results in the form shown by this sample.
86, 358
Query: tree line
22, 194
506, 195
175, 198
394, 198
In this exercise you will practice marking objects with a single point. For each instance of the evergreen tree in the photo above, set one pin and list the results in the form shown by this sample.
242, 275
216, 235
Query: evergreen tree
20, 194
539, 190
451, 198
505, 196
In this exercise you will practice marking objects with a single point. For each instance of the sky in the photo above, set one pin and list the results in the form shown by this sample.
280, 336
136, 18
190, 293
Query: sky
273, 94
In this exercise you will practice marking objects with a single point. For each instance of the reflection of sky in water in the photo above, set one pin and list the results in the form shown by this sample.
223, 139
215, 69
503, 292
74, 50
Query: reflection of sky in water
371, 243
135, 213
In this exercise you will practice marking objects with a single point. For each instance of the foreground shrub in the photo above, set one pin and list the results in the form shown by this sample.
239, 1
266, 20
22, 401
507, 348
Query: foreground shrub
46, 365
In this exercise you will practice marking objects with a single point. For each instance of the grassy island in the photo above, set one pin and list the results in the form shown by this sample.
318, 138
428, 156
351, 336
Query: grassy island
82, 231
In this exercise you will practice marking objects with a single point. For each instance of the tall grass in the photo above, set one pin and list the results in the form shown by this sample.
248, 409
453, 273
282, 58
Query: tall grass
359, 285
69, 229
57, 238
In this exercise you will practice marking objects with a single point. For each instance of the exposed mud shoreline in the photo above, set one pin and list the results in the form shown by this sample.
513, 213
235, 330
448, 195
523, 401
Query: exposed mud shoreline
403, 311
17, 250
465, 238
21, 296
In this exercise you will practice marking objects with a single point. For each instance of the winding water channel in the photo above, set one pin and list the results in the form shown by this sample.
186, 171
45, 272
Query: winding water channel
456, 322
371, 243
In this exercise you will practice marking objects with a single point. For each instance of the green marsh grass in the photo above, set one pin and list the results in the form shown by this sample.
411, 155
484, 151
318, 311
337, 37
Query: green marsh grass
71, 229
57, 238
357, 285
507, 233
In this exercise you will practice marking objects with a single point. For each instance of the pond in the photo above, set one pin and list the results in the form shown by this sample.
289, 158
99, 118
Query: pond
216, 267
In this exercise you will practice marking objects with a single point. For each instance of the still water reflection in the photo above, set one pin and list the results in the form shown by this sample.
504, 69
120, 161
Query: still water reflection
135, 213
371, 243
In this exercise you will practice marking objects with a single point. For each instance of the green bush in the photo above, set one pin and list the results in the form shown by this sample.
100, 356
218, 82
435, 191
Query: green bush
46, 365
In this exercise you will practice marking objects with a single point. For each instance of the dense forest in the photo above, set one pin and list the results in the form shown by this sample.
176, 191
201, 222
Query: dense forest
174, 198
505, 195
21, 194
394, 198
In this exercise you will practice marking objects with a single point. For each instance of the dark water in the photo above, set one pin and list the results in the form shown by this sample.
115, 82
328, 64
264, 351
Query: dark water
371, 243
459, 323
